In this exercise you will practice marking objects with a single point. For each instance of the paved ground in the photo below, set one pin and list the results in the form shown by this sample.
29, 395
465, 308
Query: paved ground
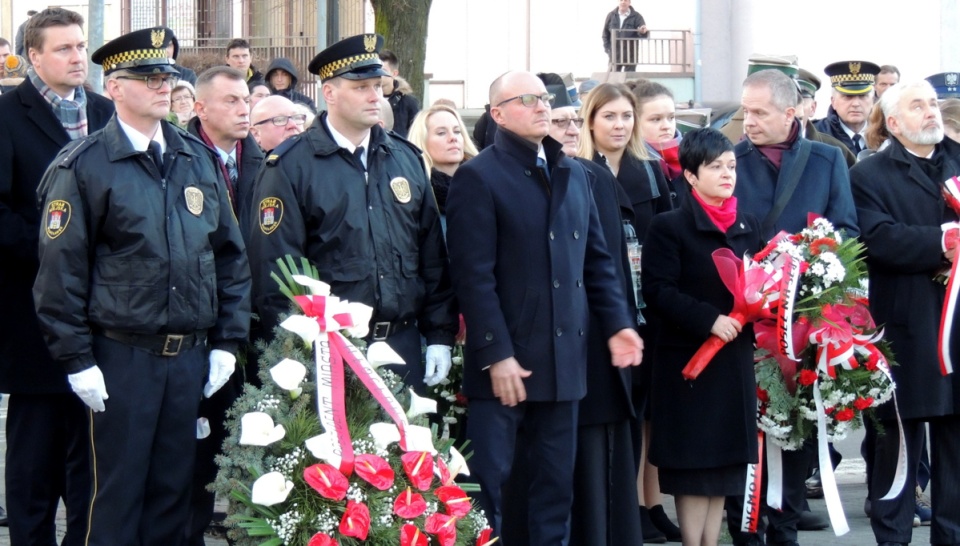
850, 476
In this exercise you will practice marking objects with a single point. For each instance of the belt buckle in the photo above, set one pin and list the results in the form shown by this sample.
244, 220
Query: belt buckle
380, 331
172, 338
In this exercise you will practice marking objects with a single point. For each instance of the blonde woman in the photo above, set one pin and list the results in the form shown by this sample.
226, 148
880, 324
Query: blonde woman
441, 134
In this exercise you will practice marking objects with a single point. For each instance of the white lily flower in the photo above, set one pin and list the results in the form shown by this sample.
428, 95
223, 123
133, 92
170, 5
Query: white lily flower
305, 327
420, 439
317, 288
271, 488
384, 434
257, 429
361, 314
457, 464
420, 405
288, 374
381, 354
323, 447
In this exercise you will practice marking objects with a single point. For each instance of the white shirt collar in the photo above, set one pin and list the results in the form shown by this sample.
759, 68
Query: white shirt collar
850, 132
139, 140
226, 155
344, 142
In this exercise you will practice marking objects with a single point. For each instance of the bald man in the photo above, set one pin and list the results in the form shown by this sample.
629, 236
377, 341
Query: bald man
275, 119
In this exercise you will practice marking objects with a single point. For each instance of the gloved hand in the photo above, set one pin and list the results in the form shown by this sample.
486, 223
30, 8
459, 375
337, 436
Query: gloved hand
222, 365
90, 387
438, 364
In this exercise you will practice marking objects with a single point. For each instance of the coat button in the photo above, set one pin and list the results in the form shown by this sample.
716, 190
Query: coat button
581, 331
488, 336
527, 172
579, 283
559, 332
551, 235
556, 283
576, 234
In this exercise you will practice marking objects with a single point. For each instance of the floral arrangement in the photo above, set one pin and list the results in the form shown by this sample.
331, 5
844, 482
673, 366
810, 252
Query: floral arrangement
451, 404
300, 475
823, 348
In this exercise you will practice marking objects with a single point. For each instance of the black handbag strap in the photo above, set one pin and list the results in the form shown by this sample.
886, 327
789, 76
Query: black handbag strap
790, 184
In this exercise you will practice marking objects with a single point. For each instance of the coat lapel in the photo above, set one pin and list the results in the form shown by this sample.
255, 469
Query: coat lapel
41, 114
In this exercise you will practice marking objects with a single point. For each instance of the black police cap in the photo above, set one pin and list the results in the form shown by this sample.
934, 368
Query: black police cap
852, 77
946, 84
141, 51
353, 58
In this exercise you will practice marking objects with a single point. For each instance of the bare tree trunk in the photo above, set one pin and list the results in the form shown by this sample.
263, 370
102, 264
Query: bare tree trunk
403, 24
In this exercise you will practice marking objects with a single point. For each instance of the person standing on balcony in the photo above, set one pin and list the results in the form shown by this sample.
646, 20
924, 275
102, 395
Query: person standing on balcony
627, 19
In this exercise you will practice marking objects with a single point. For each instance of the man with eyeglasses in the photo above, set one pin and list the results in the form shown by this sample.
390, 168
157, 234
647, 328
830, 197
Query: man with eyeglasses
357, 203
529, 263
143, 293
47, 447
273, 120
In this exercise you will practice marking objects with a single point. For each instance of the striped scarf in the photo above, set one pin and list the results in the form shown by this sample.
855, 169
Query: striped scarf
71, 113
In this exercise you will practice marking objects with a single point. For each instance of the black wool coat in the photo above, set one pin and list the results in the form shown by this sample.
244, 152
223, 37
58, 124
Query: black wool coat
711, 421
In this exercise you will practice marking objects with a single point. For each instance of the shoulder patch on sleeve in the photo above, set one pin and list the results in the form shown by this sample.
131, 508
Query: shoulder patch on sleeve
270, 213
72, 150
274, 156
57, 218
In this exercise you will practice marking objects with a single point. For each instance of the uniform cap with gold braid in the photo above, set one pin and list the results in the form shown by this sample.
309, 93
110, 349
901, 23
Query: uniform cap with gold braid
141, 51
353, 58
852, 77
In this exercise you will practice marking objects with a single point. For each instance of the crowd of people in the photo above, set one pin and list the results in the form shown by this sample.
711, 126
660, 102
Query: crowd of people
141, 229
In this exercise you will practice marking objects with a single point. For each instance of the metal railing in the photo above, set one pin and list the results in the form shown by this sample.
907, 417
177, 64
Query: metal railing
668, 51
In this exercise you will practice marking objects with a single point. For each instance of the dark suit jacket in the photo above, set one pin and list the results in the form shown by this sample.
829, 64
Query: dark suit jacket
900, 211
526, 256
30, 138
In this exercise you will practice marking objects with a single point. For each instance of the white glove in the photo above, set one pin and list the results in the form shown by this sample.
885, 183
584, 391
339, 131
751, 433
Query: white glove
438, 364
222, 365
90, 387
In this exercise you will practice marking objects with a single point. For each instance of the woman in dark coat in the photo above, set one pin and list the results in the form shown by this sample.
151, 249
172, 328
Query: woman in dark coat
704, 431
612, 139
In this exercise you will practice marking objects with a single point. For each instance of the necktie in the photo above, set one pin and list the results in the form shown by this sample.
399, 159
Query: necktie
857, 146
232, 169
358, 155
156, 155
542, 165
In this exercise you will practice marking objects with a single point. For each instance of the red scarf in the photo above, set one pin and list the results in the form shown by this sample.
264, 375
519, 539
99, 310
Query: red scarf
774, 152
722, 216
669, 151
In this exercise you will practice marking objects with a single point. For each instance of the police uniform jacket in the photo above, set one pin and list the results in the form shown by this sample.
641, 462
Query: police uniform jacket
377, 242
529, 263
125, 248
30, 138
830, 125
900, 209
824, 187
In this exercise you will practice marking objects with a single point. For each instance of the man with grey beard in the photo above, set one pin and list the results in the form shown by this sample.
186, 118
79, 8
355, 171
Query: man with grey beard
911, 236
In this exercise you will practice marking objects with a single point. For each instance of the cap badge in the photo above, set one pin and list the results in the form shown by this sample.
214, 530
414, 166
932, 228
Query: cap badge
854, 68
950, 78
370, 42
401, 189
194, 198
156, 37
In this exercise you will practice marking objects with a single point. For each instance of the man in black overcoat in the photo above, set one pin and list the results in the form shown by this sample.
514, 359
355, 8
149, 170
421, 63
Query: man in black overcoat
910, 233
46, 426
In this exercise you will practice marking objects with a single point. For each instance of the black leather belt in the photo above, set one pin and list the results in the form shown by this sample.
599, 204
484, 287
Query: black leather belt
159, 344
380, 331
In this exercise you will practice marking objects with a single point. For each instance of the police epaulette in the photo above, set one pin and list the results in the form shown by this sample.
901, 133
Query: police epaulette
281, 149
73, 149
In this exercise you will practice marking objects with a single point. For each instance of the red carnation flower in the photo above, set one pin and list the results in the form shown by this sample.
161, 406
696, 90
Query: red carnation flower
829, 410
419, 468
356, 521
327, 480
409, 505
822, 244
862, 403
807, 377
845, 414
410, 535
763, 396
456, 501
374, 470
444, 527
322, 539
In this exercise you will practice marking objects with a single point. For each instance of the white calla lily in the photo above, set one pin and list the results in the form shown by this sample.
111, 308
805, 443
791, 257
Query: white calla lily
257, 429
381, 354
420, 439
305, 327
288, 374
317, 288
324, 447
457, 464
420, 405
271, 488
361, 314
384, 434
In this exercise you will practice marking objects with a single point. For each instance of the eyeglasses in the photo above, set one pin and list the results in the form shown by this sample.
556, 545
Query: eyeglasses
564, 123
153, 82
280, 121
530, 100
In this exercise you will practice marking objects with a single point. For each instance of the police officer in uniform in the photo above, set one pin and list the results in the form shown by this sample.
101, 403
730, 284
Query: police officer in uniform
356, 201
143, 293
850, 102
